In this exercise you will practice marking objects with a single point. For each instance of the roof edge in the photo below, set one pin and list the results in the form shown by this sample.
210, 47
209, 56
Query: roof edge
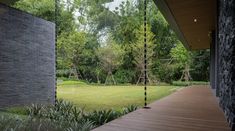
163, 7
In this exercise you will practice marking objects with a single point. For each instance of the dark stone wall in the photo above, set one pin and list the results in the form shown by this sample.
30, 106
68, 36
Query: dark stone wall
212, 61
226, 58
27, 59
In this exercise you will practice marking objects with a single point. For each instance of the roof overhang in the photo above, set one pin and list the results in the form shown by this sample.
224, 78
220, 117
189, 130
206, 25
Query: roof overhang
8, 2
192, 20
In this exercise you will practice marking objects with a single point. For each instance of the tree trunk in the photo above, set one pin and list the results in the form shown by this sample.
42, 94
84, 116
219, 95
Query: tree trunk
142, 77
186, 74
98, 78
110, 77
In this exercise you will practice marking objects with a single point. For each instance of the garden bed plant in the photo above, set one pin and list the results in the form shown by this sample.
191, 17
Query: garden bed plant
64, 116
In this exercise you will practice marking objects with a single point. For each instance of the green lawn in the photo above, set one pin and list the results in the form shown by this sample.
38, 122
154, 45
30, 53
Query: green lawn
11, 114
91, 97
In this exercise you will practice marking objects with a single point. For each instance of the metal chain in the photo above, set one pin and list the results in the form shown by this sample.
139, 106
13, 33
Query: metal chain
145, 53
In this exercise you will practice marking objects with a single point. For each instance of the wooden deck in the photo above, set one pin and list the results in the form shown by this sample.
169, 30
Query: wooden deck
189, 109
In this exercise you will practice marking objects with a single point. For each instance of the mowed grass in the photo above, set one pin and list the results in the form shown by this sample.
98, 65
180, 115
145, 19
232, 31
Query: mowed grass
11, 114
91, 97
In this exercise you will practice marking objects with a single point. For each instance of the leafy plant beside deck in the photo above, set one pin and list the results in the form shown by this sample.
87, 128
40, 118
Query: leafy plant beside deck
64, 116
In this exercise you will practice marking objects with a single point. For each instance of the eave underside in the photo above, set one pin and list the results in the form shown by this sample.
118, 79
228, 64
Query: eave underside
192, 20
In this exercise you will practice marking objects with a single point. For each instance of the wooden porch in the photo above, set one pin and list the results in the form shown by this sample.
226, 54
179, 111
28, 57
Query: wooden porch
190, 109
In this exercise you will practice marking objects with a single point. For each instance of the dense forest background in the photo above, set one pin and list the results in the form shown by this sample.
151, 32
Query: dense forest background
100, 45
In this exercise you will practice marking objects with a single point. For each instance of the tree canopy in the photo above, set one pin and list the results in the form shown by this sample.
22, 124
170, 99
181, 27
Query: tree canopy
99, 42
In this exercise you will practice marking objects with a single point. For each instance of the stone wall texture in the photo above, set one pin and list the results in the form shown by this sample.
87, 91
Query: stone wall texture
27, 59
226, 58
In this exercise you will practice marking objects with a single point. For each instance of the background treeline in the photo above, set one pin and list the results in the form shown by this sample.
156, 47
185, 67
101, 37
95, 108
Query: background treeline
98, 45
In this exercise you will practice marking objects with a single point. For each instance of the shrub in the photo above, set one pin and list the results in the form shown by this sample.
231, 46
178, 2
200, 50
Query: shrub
124, 76
82, 126
9, 123
101, 117
64, 116
18, 110
17, 124
63, 73
129, 109
187, 83
164, 72
72, 82
35, 110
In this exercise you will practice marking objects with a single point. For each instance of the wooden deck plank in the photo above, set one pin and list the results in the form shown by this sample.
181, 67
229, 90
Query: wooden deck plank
189, 109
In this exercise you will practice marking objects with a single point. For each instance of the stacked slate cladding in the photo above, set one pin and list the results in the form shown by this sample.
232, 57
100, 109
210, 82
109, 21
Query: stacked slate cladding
27, 59
226, 57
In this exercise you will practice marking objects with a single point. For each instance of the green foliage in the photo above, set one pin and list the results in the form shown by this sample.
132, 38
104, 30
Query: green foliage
200, 65
72, 82
129, 109
165, 38
165, 72
41, 8
94, 41
187, 83
181, 55
123, 76
46, 10
82, 126
100, 117
9, 123
17, 110
64, 116
32, 124
138, 47
182, 59
99, 97
70, 48
18, 124
110, 56
35, 110
62, 73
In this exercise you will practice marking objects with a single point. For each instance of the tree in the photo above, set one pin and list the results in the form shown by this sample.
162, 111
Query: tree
183, 59
111, 57
41, 8
138, 51
200, 65
84, 25
71, 50
46, 10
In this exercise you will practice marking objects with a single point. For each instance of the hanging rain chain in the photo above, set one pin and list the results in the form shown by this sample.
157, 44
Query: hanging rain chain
145, 55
